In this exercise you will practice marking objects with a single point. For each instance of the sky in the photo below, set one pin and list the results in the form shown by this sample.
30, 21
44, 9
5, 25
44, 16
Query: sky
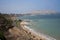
21, 6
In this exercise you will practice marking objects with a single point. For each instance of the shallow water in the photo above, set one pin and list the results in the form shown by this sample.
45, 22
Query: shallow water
48, 26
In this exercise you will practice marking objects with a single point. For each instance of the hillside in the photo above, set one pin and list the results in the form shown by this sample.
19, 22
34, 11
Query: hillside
13, 30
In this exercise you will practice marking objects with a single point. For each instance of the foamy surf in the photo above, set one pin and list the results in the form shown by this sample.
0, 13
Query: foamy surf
36, 33
41, 35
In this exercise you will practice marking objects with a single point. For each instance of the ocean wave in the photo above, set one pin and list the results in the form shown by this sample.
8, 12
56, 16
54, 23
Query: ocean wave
40, 34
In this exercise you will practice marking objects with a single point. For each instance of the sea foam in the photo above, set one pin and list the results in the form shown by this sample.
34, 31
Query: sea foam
39, 34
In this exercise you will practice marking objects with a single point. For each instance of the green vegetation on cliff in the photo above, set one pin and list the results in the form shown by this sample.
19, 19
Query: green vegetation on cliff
5, 24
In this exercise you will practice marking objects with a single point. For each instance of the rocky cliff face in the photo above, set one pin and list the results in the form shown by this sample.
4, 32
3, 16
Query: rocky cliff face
16, 32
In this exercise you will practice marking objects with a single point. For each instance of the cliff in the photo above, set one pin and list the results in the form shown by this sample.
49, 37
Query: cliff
15, 30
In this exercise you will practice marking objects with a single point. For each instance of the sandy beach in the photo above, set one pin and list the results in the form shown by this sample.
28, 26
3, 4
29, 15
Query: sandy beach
36, 35
23, 32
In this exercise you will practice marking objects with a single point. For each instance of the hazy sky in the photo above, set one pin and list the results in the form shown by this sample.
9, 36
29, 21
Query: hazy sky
19, 6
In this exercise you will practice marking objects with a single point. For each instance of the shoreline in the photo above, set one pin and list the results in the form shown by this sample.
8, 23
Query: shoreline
33, 32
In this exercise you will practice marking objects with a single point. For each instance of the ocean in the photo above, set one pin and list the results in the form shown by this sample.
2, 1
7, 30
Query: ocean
47, 26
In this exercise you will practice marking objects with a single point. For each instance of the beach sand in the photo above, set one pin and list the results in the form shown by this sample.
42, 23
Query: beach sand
35, 34
24, 33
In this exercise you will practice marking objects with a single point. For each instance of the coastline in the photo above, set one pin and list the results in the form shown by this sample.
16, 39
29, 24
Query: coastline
23, 32
34, 33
